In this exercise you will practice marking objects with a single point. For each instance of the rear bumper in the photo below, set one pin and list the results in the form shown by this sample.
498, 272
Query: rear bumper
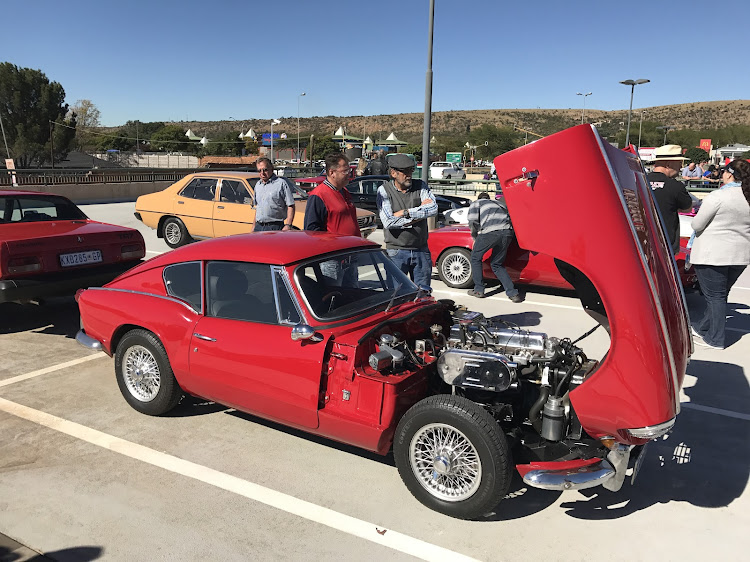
579, 474
58, 284
87, 341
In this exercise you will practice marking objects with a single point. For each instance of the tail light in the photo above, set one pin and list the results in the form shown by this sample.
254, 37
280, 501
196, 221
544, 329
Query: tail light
24, 265
651, 432
132, 251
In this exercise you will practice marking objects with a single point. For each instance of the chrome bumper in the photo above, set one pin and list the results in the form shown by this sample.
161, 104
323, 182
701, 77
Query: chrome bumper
87, 341
609, 472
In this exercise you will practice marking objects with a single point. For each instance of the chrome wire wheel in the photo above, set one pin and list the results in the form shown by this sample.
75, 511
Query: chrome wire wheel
172, 233
141, 373
445, 462
456, 269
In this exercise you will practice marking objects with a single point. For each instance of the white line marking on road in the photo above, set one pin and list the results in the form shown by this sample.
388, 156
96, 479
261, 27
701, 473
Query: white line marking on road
284, 502
457, 294
718, 411
153, 252
741, 288
51, 369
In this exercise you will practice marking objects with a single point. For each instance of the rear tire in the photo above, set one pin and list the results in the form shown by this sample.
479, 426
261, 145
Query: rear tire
454, 268
453, 456
175, 233
144, 374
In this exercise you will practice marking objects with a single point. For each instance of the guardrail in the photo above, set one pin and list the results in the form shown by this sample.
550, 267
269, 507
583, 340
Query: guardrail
77, 177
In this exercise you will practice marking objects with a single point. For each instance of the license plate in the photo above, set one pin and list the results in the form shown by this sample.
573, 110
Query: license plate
638, 463
80, 258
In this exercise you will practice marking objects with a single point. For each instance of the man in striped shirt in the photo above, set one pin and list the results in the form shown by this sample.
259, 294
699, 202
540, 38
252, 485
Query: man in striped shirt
491, 230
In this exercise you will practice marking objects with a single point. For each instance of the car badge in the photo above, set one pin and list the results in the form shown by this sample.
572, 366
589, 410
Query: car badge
80, 239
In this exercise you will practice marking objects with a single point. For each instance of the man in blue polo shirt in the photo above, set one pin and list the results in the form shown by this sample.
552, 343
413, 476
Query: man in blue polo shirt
274, 201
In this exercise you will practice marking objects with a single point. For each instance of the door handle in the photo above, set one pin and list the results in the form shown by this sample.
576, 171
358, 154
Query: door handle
202, 337
219, 206
180, 202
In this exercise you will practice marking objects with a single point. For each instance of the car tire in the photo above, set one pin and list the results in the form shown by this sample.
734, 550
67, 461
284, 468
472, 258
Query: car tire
174, 233
144, 374
454, 268
453, 456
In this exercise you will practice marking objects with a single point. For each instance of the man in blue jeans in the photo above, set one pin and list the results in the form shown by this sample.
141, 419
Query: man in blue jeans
491, 229
404, 205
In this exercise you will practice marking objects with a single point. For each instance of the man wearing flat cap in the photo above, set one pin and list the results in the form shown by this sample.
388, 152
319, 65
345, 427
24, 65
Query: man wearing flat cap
404, 206
670, 195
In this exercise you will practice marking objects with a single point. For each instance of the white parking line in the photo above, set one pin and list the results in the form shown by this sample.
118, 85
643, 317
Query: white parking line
718, 411
284, 502
457, 294
153, 252
51, 369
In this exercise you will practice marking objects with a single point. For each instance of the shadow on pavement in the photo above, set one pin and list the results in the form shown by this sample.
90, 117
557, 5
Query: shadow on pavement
75, 554
57, 316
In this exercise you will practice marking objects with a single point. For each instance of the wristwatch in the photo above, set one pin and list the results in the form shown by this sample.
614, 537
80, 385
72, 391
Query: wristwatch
406, 214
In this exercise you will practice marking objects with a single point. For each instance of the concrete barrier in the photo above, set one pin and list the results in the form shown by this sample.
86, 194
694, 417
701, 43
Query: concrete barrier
99, 192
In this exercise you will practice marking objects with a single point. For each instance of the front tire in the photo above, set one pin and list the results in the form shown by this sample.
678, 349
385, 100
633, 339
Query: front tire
453, 456
454, 268
144, 374
175, 233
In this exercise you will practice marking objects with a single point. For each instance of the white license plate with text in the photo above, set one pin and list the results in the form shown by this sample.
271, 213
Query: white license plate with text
80, 258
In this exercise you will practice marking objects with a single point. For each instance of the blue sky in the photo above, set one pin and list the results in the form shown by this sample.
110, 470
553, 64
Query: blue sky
168, 60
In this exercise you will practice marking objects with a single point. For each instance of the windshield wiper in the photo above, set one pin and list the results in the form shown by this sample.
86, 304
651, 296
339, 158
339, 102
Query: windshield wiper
393, 297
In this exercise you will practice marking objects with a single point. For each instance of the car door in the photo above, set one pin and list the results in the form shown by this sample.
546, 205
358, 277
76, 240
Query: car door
234, 210
242, 354
194, 205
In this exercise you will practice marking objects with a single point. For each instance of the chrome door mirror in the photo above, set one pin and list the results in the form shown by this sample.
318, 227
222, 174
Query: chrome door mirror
305, 332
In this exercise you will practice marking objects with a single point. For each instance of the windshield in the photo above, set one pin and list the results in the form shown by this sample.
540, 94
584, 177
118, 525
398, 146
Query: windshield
348, 284
35, 208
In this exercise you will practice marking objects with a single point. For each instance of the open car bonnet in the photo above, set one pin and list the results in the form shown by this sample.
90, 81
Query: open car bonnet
609, 231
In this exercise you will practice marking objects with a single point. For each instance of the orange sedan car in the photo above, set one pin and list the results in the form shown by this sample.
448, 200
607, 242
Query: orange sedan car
214, 204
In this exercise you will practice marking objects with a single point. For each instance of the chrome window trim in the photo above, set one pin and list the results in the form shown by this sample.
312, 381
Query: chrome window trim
649, 278
200, 265
168, 298
288, 287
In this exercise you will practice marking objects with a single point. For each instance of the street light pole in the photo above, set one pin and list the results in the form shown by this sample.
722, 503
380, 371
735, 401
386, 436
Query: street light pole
273, 122
583, 113
640, 129
428, 99
632, 84
298, 152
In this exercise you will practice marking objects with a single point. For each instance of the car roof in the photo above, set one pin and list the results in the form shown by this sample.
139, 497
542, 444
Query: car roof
16, 192
274, 247
227, 174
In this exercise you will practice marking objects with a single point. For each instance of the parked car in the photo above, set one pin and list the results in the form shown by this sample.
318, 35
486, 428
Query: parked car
364, 192
446, 171
325, 334
49, 247
213, 204
450, 248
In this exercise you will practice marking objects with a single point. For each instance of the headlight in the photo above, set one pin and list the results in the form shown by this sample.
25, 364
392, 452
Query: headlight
652, 431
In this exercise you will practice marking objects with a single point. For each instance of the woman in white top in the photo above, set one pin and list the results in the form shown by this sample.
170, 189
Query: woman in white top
721, 249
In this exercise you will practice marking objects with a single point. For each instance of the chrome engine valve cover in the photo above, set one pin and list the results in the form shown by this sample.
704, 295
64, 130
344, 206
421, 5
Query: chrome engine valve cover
468, 368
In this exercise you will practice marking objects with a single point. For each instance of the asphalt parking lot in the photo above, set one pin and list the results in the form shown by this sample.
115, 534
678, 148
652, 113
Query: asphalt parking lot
83, 476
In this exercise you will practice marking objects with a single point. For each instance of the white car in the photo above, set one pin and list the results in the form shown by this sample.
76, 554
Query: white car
457, 216
446, 171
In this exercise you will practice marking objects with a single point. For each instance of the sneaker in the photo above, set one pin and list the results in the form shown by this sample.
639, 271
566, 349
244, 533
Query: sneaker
477, 294
516, 298
695, 332
703, 343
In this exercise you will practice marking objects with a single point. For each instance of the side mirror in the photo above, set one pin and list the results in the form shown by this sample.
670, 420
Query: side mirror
305, 332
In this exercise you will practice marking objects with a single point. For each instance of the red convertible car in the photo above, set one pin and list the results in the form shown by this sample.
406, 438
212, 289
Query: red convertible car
325, 334
451, 246
49, 247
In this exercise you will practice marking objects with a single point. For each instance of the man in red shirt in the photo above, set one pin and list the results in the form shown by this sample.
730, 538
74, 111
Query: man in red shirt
329, 207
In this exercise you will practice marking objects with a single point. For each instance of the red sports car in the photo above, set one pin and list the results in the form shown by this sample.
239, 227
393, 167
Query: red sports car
450, 248
49, 247
324, 333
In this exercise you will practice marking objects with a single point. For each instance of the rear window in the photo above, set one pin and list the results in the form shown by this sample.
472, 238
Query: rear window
31, 208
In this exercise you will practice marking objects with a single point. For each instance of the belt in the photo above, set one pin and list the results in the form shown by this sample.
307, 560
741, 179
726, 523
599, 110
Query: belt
265, 223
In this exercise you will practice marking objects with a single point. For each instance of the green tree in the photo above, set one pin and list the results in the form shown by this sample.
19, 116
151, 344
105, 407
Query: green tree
30, 104
498, 140
170, 138
696, 154
87, 118
323, 146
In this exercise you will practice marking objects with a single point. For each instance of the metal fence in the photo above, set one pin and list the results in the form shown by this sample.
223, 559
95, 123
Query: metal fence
62, 177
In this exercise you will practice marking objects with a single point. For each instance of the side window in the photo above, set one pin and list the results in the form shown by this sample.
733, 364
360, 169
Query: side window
355, 187
371, 187
200, 188
287, 310
234, 191
241, 291
183, 281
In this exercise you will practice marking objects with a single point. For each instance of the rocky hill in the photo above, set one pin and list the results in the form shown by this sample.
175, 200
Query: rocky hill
408, 126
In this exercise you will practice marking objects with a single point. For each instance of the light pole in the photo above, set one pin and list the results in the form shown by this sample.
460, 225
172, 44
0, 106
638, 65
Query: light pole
640, 129
666, 129
299, 158
583, 113
273, 122
428, 98
632, 84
